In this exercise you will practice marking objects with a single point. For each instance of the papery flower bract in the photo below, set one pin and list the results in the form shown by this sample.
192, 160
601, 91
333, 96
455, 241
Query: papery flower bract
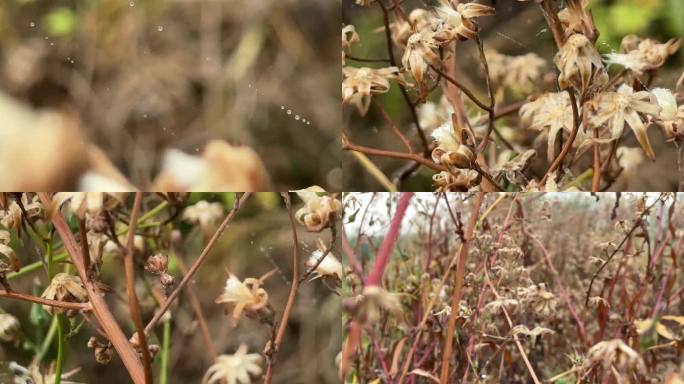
418, 19
330, 269
671, 117
550, 112
450, 151
457, 180
615, 109
320, 210
580, 65
615, 353
349, 37
204, 213
11, 216
420, 51
237, 368
64, 287
81, 203
641, 55
9, 327
8, 259
360, 83
239, 297
459, 22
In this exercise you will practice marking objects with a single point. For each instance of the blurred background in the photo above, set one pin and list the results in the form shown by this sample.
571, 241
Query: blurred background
516, 29
257, 241
139, 76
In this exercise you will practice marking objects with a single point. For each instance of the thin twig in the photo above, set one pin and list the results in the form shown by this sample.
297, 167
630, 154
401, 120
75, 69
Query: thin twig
490, 91
280, 333
39, 300
197, 263
133, 303
463, 88
389, 122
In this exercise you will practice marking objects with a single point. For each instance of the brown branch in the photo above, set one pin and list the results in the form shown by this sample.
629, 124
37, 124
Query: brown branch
126, 352
280, 333
197, 263
458, 288
596, 179
133, 303
492, 99
39, 300
85, 250
348, 146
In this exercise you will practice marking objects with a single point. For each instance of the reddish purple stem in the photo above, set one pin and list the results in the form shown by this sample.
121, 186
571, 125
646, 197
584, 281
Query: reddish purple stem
387, 245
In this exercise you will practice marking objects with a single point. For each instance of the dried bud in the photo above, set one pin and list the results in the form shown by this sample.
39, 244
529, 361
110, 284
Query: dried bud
64, 287
157, 264
102, 351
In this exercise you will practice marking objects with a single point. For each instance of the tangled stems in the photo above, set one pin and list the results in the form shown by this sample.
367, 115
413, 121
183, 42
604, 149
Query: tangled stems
348, 146
133, 303
458, 287
568, 144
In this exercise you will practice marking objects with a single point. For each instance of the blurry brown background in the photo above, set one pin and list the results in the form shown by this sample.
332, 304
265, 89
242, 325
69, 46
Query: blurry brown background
145, 75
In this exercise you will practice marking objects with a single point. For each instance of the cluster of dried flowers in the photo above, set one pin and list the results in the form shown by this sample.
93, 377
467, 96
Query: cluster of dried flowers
586, 106
74, 294
516, 288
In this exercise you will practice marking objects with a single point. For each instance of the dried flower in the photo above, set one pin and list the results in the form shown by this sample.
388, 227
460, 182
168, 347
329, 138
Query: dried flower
81, 202
370, 304
204, 213
457, 180
64, 287
320, 210
580, 65
516, 72
330, 269
450, 150
8, 259
614, 109
234, 369
33, 375
360, 83
157, 264
11, 215
222, 167
9, 328
102, 351
538, 298
641, 55
420, 51
402, 29
349, 37
614, 353
575, 19
671, 117
459, 22
247, 296
552, 112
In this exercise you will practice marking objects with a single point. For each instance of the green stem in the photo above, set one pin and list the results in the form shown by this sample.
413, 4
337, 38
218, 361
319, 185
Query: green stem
36, 266
166, 343
153, 212
60, 350
45, 346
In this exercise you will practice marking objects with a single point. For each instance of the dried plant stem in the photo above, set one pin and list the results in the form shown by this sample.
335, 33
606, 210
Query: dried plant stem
133, 304
404, 92
568, 144
492, 99
596, 179
282, 325
348, 146
59, 363
197, 263
39, 300
463, 88
111, 328
166, 346
458, 288
197, 308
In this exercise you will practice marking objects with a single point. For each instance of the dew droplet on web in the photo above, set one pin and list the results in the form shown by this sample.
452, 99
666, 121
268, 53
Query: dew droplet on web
160, 28
131, 4
297, 117
32, 24
282, 107
289, 112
